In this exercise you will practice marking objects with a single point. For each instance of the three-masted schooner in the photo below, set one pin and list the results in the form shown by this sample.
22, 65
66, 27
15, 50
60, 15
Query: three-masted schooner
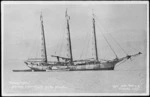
42, 64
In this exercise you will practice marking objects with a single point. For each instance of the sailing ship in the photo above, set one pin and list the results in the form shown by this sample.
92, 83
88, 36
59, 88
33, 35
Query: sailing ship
42, 64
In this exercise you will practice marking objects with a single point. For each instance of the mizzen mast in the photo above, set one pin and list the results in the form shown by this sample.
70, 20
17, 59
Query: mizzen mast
69, 38
43, 49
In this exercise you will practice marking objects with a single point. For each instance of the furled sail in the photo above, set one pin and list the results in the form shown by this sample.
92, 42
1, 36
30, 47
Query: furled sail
69, 48
43, 49
95, 41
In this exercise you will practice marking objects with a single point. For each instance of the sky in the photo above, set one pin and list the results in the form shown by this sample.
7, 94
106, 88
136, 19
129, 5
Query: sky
127, 23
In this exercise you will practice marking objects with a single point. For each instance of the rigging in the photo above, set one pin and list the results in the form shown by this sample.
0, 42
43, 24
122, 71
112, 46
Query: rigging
84, 46
109, 44
119, 45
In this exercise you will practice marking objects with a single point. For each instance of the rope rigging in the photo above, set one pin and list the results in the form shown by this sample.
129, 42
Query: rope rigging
115, 40
30, 49
109, 44
57, 47
60, 45
88, 45
37, 52
84, 46
34, 51
120, 63
118, 45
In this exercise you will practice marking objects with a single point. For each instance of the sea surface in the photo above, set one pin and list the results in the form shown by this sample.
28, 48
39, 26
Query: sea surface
120, 80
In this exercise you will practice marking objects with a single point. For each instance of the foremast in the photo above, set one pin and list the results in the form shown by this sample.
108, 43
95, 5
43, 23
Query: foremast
43, 49
69, 39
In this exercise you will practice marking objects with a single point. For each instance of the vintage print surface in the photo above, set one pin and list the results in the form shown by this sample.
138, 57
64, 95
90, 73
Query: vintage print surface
81, 48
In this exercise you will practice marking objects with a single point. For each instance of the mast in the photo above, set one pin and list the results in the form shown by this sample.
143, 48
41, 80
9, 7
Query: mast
95, 41
43, 49
69, 38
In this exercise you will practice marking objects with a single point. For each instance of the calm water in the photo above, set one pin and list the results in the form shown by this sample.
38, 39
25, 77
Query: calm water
117, 81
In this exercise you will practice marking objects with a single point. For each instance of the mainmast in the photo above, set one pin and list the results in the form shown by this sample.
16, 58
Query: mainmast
43, 50
69, 38
95, 41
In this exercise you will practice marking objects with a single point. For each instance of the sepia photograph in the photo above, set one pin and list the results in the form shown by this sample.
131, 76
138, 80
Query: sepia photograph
75, 48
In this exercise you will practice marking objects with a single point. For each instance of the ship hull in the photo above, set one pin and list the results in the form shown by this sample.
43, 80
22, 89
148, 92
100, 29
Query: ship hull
74, 67
92, 67
39, 67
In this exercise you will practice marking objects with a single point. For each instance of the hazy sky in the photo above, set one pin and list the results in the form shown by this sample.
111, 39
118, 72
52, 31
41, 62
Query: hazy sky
127, 23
